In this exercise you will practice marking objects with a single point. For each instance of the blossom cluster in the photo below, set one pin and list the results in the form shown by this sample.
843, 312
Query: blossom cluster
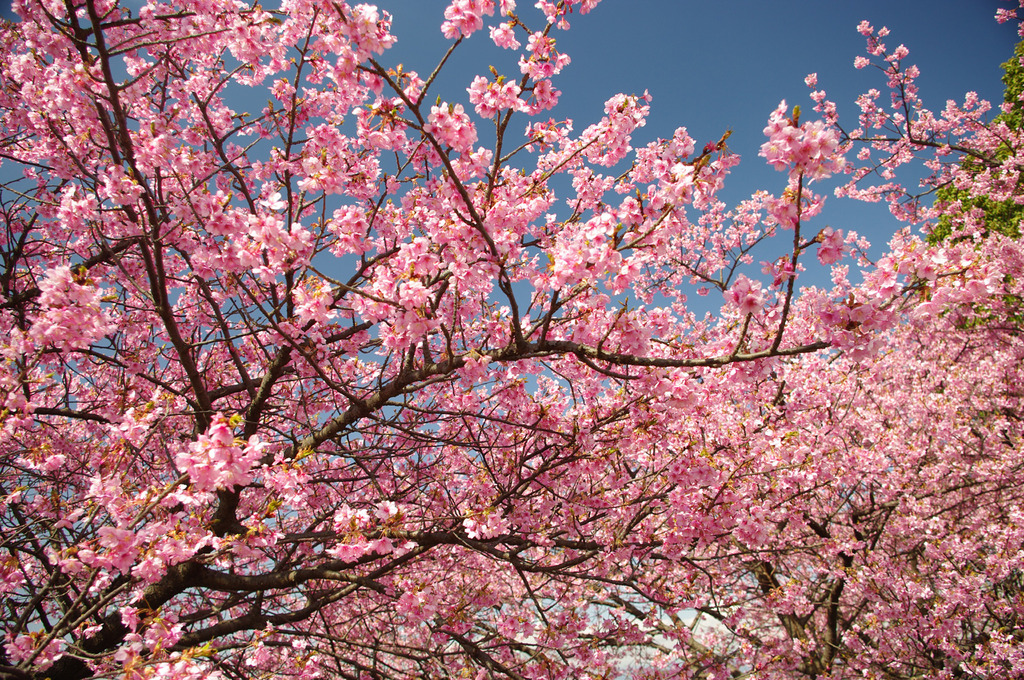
809, 150
73, 315
337, 386
216, 460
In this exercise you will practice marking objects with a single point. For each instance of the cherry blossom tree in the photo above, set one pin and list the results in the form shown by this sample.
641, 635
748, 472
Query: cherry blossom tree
331, 388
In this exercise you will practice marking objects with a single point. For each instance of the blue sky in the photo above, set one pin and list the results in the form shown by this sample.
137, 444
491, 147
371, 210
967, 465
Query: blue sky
725, 64
717, 65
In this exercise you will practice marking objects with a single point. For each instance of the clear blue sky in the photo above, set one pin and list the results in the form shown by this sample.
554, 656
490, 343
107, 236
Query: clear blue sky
715, 65
725, 64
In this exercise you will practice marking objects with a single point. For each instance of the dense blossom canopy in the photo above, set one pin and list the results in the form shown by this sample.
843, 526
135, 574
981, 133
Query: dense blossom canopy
307, 373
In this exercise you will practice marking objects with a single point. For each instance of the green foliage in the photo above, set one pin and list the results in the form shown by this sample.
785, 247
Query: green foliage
1002, 217
1013, 81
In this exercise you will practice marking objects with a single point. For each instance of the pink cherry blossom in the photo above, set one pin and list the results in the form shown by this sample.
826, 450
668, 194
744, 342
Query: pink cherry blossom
504, 36
810, 150
302, 377
217, 461
831, 245
452, 127
73, 314
746, 295
465, 17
